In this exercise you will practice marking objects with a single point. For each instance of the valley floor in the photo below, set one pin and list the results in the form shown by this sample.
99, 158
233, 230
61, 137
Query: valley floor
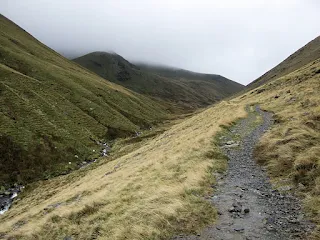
161, 186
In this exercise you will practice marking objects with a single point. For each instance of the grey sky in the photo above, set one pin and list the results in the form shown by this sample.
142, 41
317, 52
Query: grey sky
238, 39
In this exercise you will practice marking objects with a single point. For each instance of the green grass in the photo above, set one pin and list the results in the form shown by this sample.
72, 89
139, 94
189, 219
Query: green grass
52, 109
162, 180
158, 187
179, 90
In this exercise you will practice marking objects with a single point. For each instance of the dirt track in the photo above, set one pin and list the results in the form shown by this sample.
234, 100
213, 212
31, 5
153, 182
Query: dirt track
249, 208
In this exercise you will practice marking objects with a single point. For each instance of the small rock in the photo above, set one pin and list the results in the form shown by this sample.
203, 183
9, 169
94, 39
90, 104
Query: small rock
236, 204
230, 142
232, 209
238, 229
246, 210
236, 207
276, 96
271, 229
231, 145
292, 220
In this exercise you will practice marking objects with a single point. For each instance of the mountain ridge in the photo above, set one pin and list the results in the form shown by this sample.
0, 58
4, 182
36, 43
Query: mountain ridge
183, 93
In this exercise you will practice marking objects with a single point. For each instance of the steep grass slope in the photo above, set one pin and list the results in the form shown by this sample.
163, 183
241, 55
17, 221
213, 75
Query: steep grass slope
53, 111
196, 90
291, 150
309, 53
160, 186
146, 194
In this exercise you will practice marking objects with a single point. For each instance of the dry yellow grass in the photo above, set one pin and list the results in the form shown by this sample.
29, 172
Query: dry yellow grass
150, 192
291, 149
159, 187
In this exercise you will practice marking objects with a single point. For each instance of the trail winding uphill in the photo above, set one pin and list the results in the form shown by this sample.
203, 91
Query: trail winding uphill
248, 206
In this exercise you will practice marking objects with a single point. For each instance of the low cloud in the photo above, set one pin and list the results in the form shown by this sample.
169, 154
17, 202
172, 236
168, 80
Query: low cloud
238, 39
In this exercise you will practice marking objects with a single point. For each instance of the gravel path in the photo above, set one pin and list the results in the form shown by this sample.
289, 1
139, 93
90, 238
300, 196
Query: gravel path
248, 207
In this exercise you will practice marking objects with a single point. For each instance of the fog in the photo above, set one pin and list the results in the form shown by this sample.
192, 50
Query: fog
237, 39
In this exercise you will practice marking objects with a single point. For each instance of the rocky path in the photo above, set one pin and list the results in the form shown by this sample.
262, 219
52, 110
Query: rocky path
249, 208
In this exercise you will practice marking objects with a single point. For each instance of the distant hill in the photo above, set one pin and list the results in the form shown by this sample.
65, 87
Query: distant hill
218, 82
178, 73
298, 59
179, 87
53, 111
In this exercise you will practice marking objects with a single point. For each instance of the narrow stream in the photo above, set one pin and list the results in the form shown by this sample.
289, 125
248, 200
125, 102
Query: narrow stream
7, 198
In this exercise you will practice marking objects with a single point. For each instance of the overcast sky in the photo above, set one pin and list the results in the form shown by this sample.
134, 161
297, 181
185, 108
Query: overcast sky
237, 39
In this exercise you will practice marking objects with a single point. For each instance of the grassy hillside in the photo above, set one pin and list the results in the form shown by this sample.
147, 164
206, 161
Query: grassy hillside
195, 90
53, 111
221, 83
309, 53
291, 150
159, 187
